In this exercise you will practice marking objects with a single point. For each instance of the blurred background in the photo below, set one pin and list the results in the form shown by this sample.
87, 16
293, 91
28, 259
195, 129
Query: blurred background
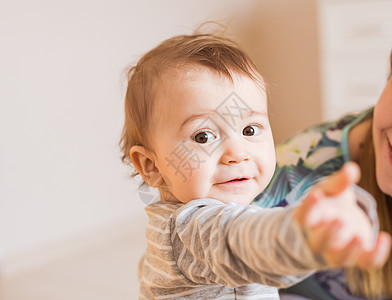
71, 220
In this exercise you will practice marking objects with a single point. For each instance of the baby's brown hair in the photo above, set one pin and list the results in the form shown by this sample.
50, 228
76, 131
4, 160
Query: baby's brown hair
173, 56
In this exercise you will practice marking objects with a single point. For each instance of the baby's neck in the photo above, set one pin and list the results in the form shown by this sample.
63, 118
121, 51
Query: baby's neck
167, 196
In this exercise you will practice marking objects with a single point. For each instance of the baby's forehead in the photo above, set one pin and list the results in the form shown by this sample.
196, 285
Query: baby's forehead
196, 89
185, 77
198, 72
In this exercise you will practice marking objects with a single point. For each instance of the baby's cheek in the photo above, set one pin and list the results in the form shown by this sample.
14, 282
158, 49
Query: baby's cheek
267, 169
195, 186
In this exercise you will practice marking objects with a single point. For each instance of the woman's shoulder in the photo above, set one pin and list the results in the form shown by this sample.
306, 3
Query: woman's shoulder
315, 145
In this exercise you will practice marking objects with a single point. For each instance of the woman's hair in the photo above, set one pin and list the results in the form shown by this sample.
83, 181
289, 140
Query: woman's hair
159, 66
377, 283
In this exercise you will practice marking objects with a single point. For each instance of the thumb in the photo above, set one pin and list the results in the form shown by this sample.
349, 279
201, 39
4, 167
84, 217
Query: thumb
342, 179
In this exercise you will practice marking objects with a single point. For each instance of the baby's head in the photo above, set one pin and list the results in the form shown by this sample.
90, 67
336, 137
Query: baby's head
196, 121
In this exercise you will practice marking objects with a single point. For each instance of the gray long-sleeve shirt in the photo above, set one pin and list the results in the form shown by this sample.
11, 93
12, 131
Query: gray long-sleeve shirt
207, 249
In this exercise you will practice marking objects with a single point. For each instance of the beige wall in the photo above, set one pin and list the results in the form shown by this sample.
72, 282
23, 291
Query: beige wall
282, 37
322, 59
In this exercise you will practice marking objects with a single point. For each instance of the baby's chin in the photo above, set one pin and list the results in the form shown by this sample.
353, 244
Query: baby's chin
244, 199
240, 196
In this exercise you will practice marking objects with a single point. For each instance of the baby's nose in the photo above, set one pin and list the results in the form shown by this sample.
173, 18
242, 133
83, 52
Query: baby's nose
234, 152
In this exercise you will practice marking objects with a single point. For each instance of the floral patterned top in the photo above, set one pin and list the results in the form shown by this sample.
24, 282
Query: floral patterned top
302, 161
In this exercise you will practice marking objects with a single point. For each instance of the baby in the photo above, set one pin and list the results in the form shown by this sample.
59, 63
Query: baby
197, 128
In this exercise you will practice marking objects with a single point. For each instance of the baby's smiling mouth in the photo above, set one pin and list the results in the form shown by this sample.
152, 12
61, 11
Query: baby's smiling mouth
235, 180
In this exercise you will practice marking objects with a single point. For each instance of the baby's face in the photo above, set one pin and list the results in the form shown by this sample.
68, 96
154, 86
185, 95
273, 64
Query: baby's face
213, 139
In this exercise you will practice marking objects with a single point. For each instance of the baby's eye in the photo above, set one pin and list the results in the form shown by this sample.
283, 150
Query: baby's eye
251, 130
204, 137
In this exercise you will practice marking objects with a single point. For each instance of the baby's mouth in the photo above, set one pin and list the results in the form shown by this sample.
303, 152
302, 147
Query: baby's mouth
238, 179
235, 180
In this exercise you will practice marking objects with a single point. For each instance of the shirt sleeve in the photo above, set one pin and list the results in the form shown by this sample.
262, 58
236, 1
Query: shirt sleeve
235, 245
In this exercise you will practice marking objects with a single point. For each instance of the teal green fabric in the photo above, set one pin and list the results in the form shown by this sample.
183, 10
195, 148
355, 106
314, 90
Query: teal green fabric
307, 158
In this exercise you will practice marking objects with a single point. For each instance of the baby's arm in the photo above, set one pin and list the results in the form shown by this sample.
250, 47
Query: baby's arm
337, 228
235, 245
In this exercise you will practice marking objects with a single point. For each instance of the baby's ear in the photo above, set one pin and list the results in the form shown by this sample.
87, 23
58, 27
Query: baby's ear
144, 162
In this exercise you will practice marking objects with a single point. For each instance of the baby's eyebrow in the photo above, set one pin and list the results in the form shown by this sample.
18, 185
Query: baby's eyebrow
256, 113
194, 117
207, 114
